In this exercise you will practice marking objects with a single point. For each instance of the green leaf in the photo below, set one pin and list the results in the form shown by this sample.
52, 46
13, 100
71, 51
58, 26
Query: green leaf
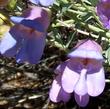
11, 5
107, 55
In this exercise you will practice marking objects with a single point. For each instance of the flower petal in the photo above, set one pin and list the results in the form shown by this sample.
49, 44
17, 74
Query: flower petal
22, 55
57, 94
69, 79
87, 49
96, 83
82, 100
35, 48
54, 91
63, 96
46, 2
33, 24
42, 2
32, 49
37, 17
7, 43
85, 54
17, 19
60, 68
103, 12
81, 86
34, 1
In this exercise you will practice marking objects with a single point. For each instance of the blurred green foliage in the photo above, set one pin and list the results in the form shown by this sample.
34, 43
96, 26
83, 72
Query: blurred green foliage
11, 5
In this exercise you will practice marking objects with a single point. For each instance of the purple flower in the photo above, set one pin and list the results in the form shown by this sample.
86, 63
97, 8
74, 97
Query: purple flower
103, 11
26, 40
43, 2
82, 74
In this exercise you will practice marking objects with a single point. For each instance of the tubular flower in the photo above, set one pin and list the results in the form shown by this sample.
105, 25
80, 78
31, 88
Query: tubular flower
82, 74
26, 40
43, 2
103, 11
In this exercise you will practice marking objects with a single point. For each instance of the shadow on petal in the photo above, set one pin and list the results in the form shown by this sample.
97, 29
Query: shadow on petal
57, 94
82, 100
35, 48
32, 49
60, 68
22, 55
33, 24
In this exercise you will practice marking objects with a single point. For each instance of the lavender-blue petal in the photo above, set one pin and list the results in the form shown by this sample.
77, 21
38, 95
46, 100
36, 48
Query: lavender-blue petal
22, 55
43, 2
16, 19
46, 2
31, 50
33, 24
7, 43
103, 11
35, 1
16, 36
35, 48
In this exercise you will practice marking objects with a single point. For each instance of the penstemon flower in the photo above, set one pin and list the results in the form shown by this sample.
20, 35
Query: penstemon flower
103, 11
82, 74
43, 2
26, 40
